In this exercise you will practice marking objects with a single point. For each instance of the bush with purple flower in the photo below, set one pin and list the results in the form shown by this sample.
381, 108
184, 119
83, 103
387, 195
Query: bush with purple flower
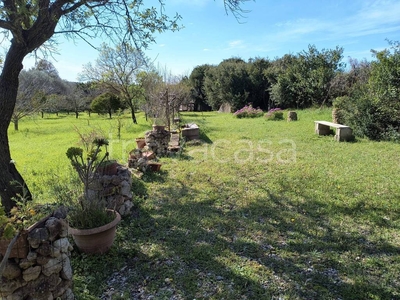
248, 111
274, 114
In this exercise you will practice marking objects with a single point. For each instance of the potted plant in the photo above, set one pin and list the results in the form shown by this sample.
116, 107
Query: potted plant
108, 167
91, 224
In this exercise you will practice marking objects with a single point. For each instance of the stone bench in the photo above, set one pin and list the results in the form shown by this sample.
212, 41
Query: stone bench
191, 132
343, 132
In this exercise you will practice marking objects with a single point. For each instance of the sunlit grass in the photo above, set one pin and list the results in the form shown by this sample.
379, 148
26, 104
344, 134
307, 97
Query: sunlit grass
261, 209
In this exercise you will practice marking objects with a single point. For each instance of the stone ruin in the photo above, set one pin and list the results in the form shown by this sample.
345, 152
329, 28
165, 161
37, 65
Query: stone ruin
39, 265
115, 189
157, 141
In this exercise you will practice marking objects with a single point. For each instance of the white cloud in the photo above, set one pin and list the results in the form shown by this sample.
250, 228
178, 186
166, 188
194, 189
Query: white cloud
237, 44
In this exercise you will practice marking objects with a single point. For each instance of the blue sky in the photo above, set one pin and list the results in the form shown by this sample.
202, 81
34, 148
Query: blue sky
270, 29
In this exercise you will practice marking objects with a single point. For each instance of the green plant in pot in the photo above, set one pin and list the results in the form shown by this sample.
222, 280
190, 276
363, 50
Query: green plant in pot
92, 225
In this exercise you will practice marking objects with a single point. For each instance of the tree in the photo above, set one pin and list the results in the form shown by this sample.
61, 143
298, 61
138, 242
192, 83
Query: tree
31, 25
198, 93
257, 69
34, 87
116, 70
106, 103
373, 110
304, 79
150, 83
229, 83
48, 67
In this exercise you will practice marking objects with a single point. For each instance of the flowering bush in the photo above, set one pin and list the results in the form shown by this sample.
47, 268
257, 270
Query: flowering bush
274, 114
248, 111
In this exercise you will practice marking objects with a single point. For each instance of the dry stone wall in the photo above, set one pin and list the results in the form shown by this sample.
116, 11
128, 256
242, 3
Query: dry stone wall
157, 141
115, 189
45, 272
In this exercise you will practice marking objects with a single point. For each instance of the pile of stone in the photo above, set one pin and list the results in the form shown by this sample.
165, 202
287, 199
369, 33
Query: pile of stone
157, 141
44, 270
115, 189
140, 159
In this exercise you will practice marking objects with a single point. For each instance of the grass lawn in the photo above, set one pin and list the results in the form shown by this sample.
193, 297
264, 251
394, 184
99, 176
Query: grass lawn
260, 210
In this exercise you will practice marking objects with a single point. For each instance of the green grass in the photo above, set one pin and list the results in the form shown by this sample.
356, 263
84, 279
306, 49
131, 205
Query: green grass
262, 210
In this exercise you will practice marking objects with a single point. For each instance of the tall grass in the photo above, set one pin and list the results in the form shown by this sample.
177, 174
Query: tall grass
260, 210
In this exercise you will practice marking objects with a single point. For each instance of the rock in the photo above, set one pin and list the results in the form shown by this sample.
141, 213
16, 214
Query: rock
31, 273
36, 236
56, 227
42, 285
62, 245
125, 189
68, 295
128, 206
26, 263
44, 249
66, 271
121, 210
60, 213
61, 289
11, 270
32, 256
116, 180
43, 296
7, 287
54, 265
42, 260
292, 116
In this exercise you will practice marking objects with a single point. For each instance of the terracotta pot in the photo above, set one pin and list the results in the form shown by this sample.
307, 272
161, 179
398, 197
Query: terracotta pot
96, 240
20, 248
140, 142
108, 168
158, 127
154, 167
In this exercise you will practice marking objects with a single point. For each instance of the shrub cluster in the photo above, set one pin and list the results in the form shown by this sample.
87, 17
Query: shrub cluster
248, 111
274, 114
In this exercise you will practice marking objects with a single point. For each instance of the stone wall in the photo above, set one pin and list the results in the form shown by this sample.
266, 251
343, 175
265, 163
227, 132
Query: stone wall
45, 272
116, 190
157, 141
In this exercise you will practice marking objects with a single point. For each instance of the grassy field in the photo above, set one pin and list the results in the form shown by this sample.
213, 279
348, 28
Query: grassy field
260, 210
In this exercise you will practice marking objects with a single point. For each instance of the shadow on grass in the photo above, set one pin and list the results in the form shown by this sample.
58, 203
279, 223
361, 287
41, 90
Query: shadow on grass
222, 247
271, 248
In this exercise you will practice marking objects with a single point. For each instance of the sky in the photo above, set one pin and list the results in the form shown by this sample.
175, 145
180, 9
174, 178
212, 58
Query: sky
268, 29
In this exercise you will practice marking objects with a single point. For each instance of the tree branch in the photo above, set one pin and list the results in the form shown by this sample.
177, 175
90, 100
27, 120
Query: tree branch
7, 254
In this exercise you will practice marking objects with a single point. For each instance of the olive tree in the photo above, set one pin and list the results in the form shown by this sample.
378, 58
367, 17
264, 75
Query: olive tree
116, 69
34, 88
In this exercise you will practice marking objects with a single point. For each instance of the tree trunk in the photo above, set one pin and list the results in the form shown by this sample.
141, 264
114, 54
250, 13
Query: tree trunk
11, 182
16, 128
133, 115
76, 114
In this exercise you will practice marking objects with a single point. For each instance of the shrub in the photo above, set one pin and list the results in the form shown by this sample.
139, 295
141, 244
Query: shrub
274, 114
248, 111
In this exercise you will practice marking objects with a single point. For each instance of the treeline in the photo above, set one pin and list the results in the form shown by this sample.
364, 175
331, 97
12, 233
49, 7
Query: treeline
293, 81
365, 95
